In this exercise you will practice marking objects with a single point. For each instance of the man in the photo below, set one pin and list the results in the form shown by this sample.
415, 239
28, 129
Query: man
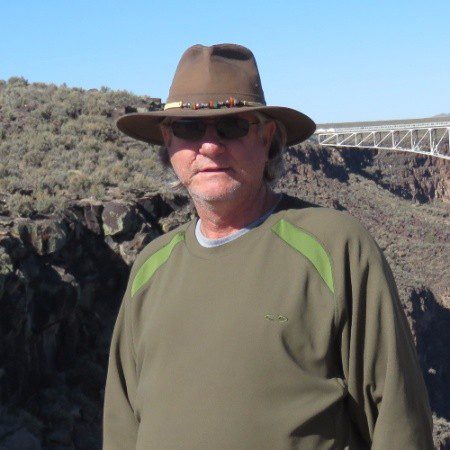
269, 323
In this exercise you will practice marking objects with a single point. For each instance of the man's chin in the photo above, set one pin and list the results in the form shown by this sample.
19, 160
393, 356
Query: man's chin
215, 195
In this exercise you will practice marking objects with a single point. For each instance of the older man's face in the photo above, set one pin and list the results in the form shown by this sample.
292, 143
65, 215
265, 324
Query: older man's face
214, 169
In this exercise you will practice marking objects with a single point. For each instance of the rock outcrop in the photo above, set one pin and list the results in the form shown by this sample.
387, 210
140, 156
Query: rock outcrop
61, 281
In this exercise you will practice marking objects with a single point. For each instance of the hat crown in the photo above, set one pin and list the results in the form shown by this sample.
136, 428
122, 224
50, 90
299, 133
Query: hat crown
216, 73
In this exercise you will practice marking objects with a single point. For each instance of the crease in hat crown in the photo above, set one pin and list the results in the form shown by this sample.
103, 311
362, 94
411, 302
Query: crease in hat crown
216, 74
218, 80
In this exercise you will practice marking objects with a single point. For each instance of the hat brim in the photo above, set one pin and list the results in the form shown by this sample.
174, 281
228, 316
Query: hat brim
145, 126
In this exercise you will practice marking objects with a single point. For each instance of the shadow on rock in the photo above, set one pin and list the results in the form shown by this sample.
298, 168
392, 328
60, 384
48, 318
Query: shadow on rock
432, 329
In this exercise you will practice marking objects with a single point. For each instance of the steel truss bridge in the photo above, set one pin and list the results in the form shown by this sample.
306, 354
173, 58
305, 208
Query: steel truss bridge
423, 136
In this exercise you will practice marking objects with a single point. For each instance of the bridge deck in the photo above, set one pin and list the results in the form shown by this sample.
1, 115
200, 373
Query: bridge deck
428, 136
436, 119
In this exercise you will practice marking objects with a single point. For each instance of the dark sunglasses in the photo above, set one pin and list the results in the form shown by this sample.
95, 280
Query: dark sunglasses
226, 127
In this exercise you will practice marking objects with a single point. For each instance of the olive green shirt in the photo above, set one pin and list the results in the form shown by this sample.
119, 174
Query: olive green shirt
290, 337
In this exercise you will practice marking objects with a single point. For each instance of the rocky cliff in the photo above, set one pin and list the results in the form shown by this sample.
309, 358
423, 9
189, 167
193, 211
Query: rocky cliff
62, 277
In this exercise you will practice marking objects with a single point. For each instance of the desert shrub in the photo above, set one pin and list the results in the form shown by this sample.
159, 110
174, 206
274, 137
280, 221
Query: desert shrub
79, 183
102, 177
72, 128
19, 204
49, 203
96, 104
38, 85
97, 191
42, 142
72, 105
119, 173
33, 158
43, 112
101, 128
143, 183
17, 81
89, 145
13, 98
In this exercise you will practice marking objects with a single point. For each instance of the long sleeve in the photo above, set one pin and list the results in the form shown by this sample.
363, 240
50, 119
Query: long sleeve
120, 424
387, 395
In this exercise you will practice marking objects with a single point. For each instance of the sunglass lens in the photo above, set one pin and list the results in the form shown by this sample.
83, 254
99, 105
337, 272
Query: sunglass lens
194, 129
189, 129
232, 127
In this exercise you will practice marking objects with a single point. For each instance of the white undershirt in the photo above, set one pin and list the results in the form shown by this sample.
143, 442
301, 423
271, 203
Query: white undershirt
207, 242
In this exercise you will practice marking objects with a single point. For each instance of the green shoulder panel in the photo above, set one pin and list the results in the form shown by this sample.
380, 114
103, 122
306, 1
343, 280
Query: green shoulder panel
309, 247
154, 261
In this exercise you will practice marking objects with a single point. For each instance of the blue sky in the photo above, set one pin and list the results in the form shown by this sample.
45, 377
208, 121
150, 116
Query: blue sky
333, 60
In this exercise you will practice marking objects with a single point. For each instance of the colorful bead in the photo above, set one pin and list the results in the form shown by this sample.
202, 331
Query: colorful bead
214, 104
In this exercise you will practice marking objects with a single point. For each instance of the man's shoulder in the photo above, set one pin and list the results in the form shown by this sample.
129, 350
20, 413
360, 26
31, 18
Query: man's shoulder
171, 237
329, 226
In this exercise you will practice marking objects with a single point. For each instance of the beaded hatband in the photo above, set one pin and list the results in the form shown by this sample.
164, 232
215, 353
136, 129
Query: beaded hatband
212, 104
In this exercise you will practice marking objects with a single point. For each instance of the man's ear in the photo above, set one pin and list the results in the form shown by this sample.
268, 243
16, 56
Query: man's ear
166, 134
268, 132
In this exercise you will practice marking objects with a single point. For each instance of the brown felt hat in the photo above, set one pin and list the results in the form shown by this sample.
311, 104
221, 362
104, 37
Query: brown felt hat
215, 81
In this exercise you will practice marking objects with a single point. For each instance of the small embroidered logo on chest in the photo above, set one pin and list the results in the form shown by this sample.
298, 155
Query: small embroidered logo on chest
276, 318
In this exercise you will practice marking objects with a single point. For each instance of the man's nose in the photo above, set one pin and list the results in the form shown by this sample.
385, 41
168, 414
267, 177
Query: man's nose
211, 142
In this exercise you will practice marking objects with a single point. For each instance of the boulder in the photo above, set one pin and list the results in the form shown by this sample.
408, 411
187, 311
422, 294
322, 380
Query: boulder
155, 206
6, 268
120, 219
45, 236
129, 250
87, 212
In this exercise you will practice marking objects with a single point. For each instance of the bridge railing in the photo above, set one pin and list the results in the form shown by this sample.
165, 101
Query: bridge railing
431, 138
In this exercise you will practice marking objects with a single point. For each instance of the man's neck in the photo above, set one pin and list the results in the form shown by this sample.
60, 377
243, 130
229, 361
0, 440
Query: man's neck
220, 219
